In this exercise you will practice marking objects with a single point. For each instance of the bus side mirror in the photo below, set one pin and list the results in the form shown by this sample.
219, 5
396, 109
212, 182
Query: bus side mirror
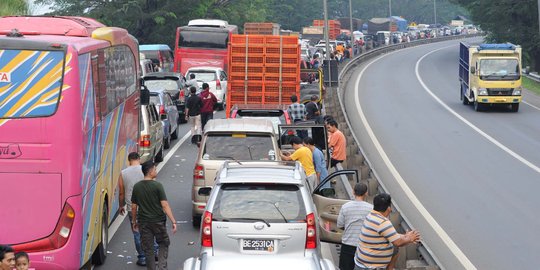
145, 95
473, 70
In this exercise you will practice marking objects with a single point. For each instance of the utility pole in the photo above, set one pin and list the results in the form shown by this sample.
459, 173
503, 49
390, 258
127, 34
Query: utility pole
390, 8
435, 12
326, 34
539, 14
350, 21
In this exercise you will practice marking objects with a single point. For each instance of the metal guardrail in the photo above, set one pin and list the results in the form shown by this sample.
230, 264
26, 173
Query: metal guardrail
423, 249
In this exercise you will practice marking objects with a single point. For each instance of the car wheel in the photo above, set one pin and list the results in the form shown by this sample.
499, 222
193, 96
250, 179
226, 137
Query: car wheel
100, 254
182, 119
167, 142
196, 221
514, 107
221, 106
159, 155
174, 135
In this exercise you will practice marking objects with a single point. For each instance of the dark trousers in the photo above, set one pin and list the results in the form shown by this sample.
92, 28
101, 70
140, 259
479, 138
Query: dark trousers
334, 162
149, 231
205, 116
346, 257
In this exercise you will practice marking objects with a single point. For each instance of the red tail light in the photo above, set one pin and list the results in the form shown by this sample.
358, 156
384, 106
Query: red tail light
198, 172
162, 109
218, 85
290, 132
206, 228
182, 95
311, 232
145, 141
57, 239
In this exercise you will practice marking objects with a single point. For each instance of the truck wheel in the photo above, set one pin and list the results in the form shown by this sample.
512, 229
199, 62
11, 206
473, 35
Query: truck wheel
196, 221
464, 99
478, 106
100, 254
514, 107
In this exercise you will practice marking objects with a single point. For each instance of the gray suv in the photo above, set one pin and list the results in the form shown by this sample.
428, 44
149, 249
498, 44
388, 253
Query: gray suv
268, 208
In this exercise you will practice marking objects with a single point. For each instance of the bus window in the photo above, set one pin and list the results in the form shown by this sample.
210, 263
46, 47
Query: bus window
203, 39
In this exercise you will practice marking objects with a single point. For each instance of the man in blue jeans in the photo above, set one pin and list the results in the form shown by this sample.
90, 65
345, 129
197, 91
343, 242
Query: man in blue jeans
128, 178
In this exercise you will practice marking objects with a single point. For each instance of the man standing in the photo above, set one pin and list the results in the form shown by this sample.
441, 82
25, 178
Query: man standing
150, 210
318, 160
7, 258
191, 82
312, 110
351, 218
209, 100
379, 241
336, 142
129, 177
193, 114
304, 155
296, 111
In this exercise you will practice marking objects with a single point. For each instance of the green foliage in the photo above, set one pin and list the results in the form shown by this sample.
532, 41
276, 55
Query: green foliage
509, 21
13, 7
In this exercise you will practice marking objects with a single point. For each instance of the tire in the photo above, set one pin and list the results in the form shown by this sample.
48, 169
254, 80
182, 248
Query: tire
159, 155
100, 254
182, 119
464, 99
167, 142
221, 106
196, 221
174, 135
478, 106
514, 107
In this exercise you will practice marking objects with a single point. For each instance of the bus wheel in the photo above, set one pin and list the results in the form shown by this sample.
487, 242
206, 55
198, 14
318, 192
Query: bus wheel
100, 254
514, 107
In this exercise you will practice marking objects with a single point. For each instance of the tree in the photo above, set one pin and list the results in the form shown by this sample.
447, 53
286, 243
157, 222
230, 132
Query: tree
514, 21
13, 7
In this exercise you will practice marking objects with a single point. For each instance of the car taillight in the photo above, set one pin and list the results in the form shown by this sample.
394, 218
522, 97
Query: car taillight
161, 109
218, 85
57, 239
198, 172
311, 232
290, 132
206, 229
182, 95
145, 141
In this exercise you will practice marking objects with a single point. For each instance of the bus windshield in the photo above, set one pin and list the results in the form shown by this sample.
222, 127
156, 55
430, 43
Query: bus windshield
30, 82
203, 39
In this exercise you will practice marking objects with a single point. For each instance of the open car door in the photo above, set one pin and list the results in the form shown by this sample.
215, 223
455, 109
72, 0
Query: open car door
305, 129
329, 196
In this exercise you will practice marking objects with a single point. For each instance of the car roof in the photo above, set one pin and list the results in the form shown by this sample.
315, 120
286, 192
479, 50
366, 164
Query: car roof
154, 47
162, 75
275, 172
261, 262
239, 125
158, 91
204, 68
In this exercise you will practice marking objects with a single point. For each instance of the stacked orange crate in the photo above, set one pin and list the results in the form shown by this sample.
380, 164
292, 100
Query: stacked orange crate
282, 69
334, 27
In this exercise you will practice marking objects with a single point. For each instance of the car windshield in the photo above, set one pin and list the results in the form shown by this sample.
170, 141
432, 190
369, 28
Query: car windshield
203, 76
496, 69
169, 85
239, 146
154, 98
274, 203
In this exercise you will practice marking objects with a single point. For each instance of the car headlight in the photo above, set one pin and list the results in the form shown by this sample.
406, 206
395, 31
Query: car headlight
482, 92
517, 91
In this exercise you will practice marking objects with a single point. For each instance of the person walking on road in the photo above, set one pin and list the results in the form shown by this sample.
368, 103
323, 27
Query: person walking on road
350, 220
336, 142
128, 178
379, 242
209, 100
150, 210
318, 161
7, 258
304, 155
193, 114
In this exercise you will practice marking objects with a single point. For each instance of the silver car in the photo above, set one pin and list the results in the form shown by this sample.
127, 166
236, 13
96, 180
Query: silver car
259, 262
268, 208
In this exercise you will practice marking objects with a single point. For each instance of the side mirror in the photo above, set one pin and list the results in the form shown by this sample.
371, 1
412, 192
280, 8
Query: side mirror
473, 70
163, 117
205, 191
145, 95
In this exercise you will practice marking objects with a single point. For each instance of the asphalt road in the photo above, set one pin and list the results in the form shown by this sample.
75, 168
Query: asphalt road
467, 180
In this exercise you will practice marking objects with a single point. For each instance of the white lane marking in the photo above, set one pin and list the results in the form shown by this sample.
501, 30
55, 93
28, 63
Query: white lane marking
530, 105
120, 218
471, 125
465, 262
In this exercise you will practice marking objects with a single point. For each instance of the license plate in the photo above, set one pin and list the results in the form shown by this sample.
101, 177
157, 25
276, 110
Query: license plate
258, 245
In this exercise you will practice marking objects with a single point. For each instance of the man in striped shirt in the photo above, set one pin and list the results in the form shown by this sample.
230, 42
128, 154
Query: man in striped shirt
351, 218
379, 241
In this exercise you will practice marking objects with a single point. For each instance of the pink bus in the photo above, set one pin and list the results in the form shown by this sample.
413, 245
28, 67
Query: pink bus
69, 115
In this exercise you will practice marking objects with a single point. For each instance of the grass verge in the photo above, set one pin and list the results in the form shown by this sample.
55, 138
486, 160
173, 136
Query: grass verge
531, 85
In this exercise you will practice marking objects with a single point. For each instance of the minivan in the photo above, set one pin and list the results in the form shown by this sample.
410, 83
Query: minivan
151, 140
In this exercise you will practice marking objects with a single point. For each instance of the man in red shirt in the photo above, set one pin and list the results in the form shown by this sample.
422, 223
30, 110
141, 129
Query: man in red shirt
208, 101
336, 142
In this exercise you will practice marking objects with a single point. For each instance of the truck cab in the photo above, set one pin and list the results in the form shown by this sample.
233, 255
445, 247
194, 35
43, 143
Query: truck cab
490, 74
